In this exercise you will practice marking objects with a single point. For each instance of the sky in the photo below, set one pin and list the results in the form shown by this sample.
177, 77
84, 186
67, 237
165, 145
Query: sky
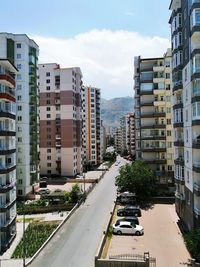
102, 37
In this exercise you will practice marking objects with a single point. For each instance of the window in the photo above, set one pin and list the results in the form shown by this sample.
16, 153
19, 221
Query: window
48, 102
19, 56
168, 110
19, 139
169, 133
48, 157
48, 164
19, 118
19, 87
49, 150
48, 108
19, 97
48, 88
19, 45
186, 115
167, 75
47, 74
187, 156
169, 144
48, 81
48, 116
19, 77
168, 121
48, 122
19, 66
19, 108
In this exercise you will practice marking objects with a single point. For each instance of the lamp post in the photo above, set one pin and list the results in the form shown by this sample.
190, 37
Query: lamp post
24, 241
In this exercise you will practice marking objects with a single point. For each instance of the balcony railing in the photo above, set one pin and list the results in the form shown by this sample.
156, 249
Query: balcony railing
197, 211
197, 189
7, 90
8, 107
180, 196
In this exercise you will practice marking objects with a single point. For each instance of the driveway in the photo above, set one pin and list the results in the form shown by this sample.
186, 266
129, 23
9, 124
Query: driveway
162, 238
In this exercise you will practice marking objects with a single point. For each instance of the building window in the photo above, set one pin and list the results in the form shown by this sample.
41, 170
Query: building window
19, 77
19, 87
168, 121
19, 108
48, 81
48, 122
49, 150
19, 56
48, 157
48, 171
48, 164
48, 116
19, 97
48, 94
19, 139
19, 45
47, 74
19, 66
187, 156
48, 108
19, 192
48, 102
169, 133
48, 88
19, 118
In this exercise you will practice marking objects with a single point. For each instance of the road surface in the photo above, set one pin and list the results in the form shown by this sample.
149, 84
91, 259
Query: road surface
76, 243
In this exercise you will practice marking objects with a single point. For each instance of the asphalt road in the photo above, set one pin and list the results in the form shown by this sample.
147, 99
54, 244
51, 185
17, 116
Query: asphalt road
76, 243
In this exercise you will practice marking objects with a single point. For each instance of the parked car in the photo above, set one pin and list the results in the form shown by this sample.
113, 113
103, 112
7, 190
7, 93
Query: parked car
129, 211
43, 191
126, 198
133, 220
128, 228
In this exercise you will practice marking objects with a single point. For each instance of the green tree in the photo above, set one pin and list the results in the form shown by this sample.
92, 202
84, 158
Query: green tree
193, 243
136, 178
75, 193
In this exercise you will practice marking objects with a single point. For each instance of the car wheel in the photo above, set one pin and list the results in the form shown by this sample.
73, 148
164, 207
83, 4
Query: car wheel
137, 233
119, 232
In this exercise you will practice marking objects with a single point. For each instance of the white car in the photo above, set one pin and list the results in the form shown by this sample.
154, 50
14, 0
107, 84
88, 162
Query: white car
128, 228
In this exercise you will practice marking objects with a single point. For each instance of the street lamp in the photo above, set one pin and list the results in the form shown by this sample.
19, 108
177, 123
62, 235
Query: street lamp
24, 241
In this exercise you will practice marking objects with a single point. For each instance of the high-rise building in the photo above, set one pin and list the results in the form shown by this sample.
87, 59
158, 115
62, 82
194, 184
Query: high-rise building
60, 120
185, 39
103, 140
130, 133
23, 53
7, 154
153, 116
117, 138
91, 125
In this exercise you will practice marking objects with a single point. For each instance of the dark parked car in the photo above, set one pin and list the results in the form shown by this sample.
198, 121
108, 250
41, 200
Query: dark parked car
133, 220
129, 211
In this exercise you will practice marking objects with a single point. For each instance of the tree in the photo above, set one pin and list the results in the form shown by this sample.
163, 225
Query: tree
193, 243
137, 178
75, 193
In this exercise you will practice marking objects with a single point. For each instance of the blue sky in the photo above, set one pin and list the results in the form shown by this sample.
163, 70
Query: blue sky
94, 25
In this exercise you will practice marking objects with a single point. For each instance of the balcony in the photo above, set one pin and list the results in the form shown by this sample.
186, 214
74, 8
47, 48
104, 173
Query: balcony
7, 205
7, 168
8, 223
180, 196
156, 161
196, 189
151, 114
33, 169
179, 179
196, 143
58, 144
153, 137
153, 149
196, 166
146, 104
179, 161
178, 124
5, 90
8, 79
153, 126
179, 142
58, 136
146, 92
158, 68
178, 85
178, 104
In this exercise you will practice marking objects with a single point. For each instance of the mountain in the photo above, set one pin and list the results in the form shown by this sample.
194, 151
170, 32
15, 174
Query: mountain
112, 110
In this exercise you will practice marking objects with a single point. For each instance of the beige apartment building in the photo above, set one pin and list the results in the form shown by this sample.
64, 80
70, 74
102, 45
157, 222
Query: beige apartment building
60, 120
130, 133
153, 116
91, 126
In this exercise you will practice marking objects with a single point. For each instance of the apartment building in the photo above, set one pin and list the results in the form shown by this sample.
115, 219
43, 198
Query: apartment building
7, 154
23, 53
91, 125
117, 138
130, 133
185, 38
60, 120
103, 140
153, 116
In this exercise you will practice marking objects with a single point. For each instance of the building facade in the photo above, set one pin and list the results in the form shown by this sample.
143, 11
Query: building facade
91, 125
60, 120
130, 133
23, 53
117, 138
153, 116
7, 154
185, 38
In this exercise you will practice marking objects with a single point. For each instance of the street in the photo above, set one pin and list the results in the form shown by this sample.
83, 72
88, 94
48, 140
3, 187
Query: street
76, 243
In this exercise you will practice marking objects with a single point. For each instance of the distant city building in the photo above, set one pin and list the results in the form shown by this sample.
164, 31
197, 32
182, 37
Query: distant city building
130, 133
185, 38
91, 125
23, 53
153, 116
103, 140
118, 140
7, 154
60, 120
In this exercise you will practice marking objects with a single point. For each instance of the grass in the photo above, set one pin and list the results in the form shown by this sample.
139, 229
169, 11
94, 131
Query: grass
35, 235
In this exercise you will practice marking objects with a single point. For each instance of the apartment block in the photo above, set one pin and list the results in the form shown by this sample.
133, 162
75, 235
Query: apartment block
23, 53
7, 154
185, 38
153, 116
130, 133
91, 125
60, 120
103, 140
117, 138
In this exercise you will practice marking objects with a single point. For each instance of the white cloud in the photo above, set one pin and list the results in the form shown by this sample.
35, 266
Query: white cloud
105, 57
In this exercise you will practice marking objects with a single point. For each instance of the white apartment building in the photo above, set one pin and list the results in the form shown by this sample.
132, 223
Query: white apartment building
7, 154
60, 120
23, 53
91, 125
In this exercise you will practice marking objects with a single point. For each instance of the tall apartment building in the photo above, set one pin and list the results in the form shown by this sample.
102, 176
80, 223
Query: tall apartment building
117, 138
130, 133
185, 38
91, 125
60, 120
103, 140
7, 154
153, 116
23, 53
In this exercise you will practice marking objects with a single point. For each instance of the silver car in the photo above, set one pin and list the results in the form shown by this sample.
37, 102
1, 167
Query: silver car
128, 228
